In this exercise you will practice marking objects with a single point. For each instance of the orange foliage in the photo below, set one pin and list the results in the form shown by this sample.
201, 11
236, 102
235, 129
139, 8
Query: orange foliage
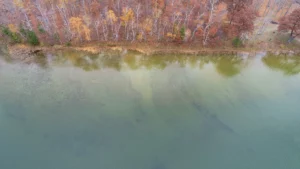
79, 28
151, 20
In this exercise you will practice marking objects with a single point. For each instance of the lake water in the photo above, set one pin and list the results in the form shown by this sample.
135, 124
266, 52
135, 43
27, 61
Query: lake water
74, 110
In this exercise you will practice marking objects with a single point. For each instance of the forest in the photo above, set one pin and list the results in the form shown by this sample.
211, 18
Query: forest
205, 22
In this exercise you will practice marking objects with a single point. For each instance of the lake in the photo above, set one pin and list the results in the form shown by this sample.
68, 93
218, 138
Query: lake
124, 110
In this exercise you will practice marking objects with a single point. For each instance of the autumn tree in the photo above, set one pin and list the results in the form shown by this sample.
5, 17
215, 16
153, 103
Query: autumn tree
114, 24
244, 22
126, 18
236, 6
95, 8
241, 16
79, 29
291, 23
60, 21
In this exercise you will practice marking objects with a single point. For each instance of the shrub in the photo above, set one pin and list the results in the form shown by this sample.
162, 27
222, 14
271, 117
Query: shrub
6, 31
22, 31
14, 36
41, 29
56, 37
68, 44
32, 38
182, 33
237, 42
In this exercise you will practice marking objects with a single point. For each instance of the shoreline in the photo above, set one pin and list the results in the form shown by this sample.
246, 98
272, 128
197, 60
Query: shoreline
21, 51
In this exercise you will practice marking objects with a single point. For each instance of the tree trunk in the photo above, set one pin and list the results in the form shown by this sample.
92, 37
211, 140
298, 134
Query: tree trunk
291, 38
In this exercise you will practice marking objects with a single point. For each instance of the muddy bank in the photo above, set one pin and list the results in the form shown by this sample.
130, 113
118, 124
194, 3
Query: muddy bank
24, 52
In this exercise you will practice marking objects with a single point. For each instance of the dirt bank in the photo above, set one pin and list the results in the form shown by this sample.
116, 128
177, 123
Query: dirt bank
22, 52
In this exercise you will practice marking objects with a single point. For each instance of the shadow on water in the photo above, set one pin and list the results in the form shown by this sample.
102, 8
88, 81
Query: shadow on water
77, 143
211, 121
289, 65
159, 165
15, 112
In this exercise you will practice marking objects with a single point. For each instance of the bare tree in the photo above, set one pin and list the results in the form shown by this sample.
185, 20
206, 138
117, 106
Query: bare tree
211, 6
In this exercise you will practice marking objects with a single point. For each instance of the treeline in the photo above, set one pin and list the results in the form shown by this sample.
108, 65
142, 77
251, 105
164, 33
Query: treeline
207, 22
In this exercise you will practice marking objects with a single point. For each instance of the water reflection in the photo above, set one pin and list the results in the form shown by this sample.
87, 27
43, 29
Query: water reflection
289, 65
84, 60
148, 112
227, 66
41, 60
4, 54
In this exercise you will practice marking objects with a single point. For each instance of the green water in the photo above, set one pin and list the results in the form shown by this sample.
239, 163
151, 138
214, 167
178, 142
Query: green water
72, 110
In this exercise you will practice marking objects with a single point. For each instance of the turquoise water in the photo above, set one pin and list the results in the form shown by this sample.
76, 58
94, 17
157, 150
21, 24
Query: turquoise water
73, 110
